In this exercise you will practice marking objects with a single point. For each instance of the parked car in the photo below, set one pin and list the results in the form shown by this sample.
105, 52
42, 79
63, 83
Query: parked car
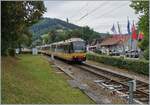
114, 53
133, 53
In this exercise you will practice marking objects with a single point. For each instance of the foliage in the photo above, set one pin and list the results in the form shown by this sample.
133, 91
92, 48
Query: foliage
63, 30
11, 52
16, 17
45, 38
45, 25
52, 35
58, 35
89, 34
85, 33
146, 53
142, 8
138, 66
31, 79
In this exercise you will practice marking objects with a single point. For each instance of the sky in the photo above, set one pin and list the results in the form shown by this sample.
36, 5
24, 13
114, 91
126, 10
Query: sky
98, 15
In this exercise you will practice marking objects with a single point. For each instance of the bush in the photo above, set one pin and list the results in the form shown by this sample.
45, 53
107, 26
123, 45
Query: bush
11, 52
146, 54
139, 66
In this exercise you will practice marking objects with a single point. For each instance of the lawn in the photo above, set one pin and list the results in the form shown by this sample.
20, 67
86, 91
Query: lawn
31, 80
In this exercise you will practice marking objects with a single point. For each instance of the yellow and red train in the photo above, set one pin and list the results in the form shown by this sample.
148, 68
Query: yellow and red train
73, 49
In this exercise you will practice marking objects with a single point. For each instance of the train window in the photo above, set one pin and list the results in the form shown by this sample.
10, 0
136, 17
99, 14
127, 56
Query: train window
66, 48
60, 48
71, 47
53, 47
79, 46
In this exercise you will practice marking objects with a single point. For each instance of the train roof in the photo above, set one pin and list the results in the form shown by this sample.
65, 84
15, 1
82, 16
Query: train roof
68, 41
74, 39
63, 42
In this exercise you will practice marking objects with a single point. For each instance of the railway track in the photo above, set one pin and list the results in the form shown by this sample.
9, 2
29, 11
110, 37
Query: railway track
141, 95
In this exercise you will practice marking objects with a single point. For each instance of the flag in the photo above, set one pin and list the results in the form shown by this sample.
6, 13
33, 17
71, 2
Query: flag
134, 36
128, 27
141, 35
113, 29
119, 31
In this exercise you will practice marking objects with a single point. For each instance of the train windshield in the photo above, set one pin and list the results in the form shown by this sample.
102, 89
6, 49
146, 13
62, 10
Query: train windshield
79, 46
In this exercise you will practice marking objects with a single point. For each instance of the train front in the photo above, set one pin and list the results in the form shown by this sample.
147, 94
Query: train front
79, 49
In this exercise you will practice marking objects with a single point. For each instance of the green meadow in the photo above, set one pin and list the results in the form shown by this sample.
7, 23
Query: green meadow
28, 79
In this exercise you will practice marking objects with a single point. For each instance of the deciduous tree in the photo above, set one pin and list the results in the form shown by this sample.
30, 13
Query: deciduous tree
142, 8
16, 16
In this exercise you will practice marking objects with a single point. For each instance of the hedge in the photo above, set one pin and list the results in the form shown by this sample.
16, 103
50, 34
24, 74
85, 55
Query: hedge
139, 66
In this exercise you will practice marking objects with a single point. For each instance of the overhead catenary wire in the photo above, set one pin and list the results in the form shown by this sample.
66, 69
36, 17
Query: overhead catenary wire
110, 11
77, 12
114, 9
100, 6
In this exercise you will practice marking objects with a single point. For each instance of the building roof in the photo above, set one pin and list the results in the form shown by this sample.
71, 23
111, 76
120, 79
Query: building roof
115, 39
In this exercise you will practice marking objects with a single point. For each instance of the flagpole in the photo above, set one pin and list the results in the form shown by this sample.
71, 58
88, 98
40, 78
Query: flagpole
121, 38
131, 36
131, 40
129, 32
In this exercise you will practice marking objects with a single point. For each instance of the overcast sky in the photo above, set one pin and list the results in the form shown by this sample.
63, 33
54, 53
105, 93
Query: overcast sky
99, 15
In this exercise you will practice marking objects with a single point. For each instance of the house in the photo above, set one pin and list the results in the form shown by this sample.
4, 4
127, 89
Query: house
115, 43
94, 44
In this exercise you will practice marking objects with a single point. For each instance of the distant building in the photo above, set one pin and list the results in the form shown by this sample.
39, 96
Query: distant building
115, 43
94, 44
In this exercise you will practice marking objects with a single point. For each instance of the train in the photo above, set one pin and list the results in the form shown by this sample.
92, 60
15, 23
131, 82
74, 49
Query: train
73, 49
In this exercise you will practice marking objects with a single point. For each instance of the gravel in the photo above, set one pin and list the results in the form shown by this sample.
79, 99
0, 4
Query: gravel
86, 82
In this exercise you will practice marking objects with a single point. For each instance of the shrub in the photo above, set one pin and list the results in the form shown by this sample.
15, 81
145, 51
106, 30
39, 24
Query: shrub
146, 54
11, 52
139, 66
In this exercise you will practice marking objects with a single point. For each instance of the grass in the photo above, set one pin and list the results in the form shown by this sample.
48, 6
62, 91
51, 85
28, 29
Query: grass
31, 80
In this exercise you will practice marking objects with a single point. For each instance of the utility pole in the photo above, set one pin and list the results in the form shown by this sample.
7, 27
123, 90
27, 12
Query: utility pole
67, 20
132, 88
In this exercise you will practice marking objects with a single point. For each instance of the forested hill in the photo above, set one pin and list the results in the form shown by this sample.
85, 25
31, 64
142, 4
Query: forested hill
47, 24
49, 30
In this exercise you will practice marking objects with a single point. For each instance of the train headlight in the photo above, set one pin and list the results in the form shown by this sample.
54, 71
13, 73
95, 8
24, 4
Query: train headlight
74, 56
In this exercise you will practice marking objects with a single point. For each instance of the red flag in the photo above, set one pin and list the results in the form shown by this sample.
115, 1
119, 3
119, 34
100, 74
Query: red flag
134, 36
140, 36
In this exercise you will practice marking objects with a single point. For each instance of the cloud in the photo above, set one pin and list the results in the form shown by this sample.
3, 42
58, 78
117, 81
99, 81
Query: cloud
101, 14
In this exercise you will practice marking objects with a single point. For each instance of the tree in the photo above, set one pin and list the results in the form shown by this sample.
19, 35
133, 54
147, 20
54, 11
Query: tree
85, 33
16, 16
52, 34
45, 39
88, 34
142, 8
75, 33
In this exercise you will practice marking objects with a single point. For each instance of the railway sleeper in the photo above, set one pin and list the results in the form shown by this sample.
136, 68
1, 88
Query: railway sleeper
125, 80
140, 94
144, 90
142, 85
109, 81
145, 100
137, 95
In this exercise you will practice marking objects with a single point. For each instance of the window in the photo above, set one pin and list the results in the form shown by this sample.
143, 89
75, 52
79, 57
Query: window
79, 46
